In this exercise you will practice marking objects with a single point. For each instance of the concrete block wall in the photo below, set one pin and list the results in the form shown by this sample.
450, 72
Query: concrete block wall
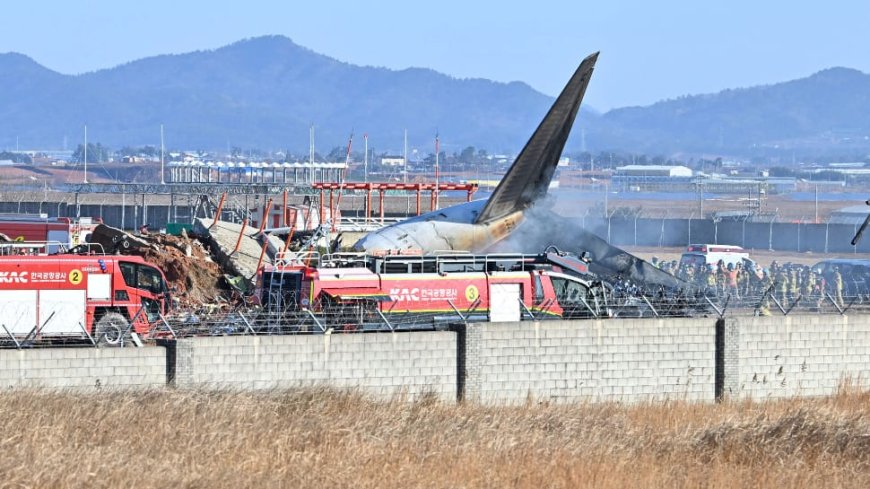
563, 361
797, 355
383, 364
626, 360
83, 367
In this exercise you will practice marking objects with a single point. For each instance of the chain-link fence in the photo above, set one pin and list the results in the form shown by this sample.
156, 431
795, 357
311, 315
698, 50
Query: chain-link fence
803, 234
42, 327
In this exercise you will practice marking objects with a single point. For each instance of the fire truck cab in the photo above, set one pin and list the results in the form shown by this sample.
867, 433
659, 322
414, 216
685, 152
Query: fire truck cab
404, 288
66, 296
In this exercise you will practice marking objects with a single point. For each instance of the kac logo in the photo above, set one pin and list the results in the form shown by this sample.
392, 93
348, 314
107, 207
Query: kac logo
13, 277
405, 294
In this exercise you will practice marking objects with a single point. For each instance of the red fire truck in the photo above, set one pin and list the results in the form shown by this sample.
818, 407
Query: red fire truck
62, 296
403, 288
52, 230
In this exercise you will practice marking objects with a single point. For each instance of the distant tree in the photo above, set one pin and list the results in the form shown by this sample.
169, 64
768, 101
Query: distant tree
15, 157
97, 153
337, 153
467, 155
135, 151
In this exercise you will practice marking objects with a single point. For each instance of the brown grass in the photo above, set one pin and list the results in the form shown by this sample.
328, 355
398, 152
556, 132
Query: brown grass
318, 438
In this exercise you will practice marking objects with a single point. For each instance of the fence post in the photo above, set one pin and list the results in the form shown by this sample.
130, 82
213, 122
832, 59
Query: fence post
635, 229
770, 236
727, 371
690, 229
662, 234
827, 223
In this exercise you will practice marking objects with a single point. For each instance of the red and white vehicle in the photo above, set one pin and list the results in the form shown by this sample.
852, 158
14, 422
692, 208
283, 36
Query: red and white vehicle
62, 296
496, 287
711, 254
56, 231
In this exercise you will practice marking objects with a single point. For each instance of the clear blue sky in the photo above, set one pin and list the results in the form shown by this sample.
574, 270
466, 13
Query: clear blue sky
650, 49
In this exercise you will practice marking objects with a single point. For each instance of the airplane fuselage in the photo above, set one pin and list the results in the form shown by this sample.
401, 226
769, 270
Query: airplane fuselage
449, 229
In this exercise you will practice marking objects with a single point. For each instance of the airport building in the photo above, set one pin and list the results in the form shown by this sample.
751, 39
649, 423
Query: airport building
639, 178
254, 172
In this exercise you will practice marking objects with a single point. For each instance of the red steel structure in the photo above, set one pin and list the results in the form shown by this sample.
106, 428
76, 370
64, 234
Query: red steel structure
382, 188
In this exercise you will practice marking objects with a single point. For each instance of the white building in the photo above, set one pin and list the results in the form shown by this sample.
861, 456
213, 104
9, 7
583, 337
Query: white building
393, 161
653, 171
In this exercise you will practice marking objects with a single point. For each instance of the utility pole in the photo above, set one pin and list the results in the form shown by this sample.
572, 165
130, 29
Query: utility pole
86, 154
405, 159
437, 192
311, 145
162, 178
366, 159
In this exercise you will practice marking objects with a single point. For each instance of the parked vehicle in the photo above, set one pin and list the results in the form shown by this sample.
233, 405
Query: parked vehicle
711, 254
495, 287
59, 232
855, 273
64, 296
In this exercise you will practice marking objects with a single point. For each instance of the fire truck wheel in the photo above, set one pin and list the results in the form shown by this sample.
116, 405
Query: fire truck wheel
109, 329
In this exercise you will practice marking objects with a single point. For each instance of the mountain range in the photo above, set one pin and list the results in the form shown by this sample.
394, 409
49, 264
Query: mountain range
266, 92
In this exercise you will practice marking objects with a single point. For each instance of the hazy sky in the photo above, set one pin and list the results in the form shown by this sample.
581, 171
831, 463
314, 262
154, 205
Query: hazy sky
650, 50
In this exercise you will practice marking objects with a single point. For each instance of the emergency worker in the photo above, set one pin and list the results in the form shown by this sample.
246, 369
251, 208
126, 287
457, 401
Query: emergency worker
838, 286
731, 281
782, 286
794, 284
710, 276
764, 310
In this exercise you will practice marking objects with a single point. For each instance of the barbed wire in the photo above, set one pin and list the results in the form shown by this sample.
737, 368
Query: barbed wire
368, 316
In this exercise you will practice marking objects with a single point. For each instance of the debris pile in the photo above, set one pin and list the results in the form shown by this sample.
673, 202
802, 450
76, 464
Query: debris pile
187, 263
189, 268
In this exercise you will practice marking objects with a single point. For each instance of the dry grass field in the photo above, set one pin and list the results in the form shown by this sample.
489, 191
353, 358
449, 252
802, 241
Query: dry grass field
318, 438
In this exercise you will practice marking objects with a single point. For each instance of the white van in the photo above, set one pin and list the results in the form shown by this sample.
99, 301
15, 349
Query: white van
710, 254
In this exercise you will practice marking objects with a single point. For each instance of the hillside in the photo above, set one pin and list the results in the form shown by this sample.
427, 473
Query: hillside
828, 111
263, 92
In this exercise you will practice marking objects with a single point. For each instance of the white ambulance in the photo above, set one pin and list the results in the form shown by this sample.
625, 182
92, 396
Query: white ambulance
710, 254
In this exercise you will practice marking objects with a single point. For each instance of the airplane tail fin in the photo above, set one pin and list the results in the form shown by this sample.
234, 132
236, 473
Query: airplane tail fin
530, 175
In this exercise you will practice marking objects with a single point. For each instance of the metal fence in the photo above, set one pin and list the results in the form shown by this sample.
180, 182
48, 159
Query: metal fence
800, 235
638, 228
366, 316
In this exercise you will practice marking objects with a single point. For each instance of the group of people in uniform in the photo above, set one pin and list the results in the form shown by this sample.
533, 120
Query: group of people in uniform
753, 285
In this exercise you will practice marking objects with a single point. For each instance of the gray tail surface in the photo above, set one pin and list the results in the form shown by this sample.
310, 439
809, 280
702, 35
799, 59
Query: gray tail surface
530, 175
